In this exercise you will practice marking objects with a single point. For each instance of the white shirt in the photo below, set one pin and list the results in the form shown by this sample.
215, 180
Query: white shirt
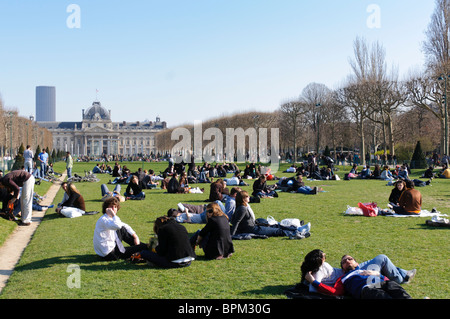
28, 155
105, 234
195, 218
326, 275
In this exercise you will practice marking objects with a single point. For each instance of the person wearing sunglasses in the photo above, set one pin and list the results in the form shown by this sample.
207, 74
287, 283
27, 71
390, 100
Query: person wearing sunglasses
214, 238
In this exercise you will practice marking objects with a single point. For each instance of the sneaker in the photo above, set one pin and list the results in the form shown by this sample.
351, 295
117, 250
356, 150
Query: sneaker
409, 276
314, 191
305, 228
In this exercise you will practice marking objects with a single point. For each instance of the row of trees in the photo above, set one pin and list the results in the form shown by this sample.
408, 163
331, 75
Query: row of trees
376, 104
373, 110
16, 131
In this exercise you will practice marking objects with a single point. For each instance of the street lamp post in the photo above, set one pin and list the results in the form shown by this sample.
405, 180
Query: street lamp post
445, 77
10, 135
318, 105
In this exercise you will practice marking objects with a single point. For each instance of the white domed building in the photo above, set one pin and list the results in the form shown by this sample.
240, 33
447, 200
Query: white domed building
96, 135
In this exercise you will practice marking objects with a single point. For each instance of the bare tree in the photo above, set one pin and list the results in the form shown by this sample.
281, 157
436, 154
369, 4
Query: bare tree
427, 92
437, 51
437, 45
316, 96
292, 113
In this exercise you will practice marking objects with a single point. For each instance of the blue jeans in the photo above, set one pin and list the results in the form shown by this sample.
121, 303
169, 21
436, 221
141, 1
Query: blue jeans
69, 172
137, 196
385, 267
105, 189
43, 169
304, 190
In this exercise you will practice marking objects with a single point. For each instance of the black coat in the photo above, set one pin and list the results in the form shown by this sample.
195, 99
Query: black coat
174, 186
242, 221
173, 241
219, 242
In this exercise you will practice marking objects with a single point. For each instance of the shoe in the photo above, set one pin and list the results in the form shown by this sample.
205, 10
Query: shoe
275, 194
434, 210
24, 224
409, 276
314, 191
51, 206
305, 228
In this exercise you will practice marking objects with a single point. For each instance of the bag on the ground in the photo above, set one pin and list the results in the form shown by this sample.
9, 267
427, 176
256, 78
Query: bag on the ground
369, 209
288, 222
353, 211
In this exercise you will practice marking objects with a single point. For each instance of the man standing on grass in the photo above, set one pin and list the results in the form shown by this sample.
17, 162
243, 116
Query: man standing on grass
28, 159
110, 231
69, 165
43, 159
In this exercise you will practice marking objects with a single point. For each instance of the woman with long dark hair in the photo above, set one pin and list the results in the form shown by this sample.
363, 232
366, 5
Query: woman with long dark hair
315, 264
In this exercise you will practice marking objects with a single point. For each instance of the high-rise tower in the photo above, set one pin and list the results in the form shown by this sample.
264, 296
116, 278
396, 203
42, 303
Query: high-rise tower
45, 104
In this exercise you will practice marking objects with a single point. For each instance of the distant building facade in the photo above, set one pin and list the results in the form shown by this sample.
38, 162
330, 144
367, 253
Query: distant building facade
45, 104
97, 135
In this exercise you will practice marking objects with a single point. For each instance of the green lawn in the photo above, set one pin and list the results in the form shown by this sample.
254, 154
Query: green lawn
258, 269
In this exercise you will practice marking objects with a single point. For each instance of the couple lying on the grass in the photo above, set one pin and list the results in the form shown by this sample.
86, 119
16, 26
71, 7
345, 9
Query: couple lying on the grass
377, 278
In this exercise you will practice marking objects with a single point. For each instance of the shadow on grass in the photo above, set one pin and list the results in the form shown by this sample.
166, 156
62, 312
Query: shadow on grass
269, 290
86, 262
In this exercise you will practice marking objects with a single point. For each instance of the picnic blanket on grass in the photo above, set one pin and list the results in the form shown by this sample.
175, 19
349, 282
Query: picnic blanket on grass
423, 213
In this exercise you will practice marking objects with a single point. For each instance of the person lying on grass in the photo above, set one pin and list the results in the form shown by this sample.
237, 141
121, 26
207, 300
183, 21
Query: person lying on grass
363, 283
188, 213
243, 222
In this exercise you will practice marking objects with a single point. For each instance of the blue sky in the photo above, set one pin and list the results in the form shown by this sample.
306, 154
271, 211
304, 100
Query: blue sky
187, 60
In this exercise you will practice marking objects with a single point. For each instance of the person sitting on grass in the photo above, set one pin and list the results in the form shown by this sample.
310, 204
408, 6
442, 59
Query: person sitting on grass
74, 205
260, 188
214, 238
445, 173
410, 201
399, 187
134, 189
218, 190
428, 173
110, 231
174, 187
386, 174
173, 249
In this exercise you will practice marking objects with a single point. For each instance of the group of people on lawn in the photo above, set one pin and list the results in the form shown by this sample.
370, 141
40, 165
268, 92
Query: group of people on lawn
172, 246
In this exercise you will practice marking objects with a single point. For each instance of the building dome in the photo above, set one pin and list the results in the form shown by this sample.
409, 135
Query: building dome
96, 113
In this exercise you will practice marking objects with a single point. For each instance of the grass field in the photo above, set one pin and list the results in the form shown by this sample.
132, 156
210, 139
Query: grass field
260, 268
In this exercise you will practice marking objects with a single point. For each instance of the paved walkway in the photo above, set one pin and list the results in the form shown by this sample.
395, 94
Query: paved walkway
14, 246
